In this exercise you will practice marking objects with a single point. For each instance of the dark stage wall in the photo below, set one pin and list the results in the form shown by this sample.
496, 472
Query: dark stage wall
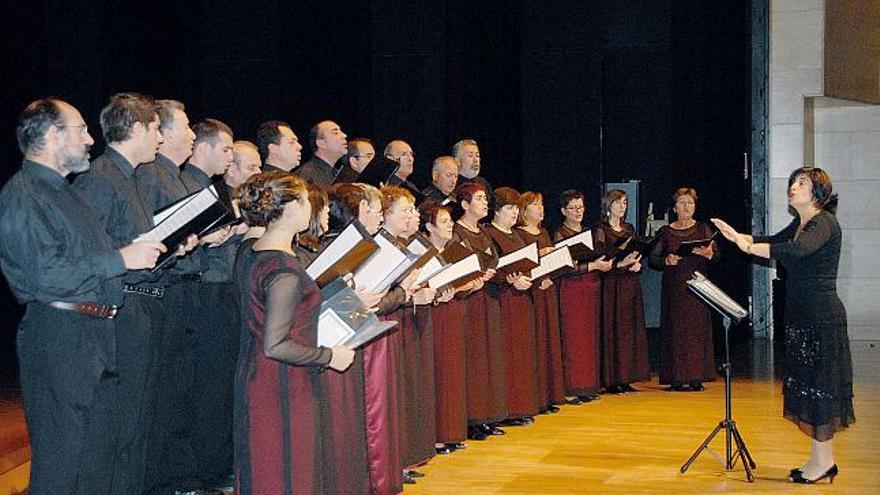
559, 94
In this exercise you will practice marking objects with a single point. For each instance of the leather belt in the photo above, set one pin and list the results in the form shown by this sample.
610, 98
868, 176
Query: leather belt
156, 292
105, 311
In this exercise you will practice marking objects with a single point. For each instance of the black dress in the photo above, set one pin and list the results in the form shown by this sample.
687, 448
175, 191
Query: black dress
817, 380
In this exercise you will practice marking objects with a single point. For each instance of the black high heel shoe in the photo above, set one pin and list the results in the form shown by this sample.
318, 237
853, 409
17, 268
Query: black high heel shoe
797, 476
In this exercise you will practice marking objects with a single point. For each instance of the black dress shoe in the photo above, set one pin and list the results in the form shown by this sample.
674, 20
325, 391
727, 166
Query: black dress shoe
552, 409
696, 387
492, 430
798, 476
476, 433
415, 474
573, 401
587, 398
628, 388
443, 449
614, 389
528, 420
512, 422
457, 445
408, 480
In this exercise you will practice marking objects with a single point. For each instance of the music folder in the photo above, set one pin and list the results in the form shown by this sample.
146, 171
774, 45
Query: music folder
345, 253
554, 263
385, 266
345, 321
198, 213
453, 252
687, 247
710, 292
457, 274
520, 261
622, 247
580, 246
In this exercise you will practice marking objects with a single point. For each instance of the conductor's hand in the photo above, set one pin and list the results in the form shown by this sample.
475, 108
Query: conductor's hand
341, 358
673, 259
727, 231
141, 254
602, 264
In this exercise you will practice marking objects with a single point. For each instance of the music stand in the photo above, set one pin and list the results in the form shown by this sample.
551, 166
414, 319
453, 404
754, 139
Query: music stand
730, 311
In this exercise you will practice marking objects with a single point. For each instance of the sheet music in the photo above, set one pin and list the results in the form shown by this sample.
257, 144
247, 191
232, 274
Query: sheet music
416, 246
429, 269
383, 267
553, 261
336, 250
451, 273
332, 330
585, 238
702, 285
172, 219
529, 252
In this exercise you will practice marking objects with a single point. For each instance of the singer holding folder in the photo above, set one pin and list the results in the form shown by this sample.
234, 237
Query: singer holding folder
281, 431
687, 352
817, 381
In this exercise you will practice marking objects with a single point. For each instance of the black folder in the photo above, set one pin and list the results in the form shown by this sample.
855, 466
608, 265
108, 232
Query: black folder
343, 255
687, 247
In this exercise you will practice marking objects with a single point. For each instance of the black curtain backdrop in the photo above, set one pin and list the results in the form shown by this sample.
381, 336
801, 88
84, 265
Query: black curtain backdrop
560, 94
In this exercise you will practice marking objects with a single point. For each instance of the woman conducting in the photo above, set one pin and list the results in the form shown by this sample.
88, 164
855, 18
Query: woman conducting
817, 381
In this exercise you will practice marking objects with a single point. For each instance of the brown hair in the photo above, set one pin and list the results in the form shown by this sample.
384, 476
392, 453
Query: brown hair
262, 197
467, 191
505, 196
311, 238
525, 199
684, 191
823, 195
609, 198
428, 212
390, 194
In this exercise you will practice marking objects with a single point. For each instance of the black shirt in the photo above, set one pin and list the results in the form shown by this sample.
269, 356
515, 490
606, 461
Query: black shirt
317, 171
431, 192
52, 245
159, 183
268, 167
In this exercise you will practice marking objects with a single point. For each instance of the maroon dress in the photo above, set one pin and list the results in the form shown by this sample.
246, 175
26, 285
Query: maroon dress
450, 371
518, 326
484, 341
624, 341
687, 352
548, 344
347, 469
280, 402
580, 319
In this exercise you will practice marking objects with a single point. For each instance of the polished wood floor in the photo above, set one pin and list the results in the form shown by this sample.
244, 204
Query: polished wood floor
635, 443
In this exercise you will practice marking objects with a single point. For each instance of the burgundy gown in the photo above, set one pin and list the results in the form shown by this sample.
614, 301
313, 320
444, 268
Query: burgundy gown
687, 352
450, 370
518, 326
280, 404
548, 348
624, 341
484, 341
347, 469
580, 319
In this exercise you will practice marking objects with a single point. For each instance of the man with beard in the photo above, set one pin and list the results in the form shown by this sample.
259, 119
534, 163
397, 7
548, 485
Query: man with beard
130, 124
279, 147
61, 263
467, 157
444, 177
328, 144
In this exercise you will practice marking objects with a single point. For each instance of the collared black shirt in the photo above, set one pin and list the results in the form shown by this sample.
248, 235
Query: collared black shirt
159, 183
346, 175
109, 187
268, 167
431, 192
317, 171
52, 245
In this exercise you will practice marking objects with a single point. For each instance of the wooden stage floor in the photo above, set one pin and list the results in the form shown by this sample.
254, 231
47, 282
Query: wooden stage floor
635, 443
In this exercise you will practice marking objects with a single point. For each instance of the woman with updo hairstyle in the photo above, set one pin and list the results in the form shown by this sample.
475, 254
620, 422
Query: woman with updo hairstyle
551, 383
624, 339
280, 401
511, 290
484, 340
817, 374
580, 293
450, 357
687, 352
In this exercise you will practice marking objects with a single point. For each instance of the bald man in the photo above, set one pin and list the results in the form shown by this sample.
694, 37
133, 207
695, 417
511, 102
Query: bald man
444, 177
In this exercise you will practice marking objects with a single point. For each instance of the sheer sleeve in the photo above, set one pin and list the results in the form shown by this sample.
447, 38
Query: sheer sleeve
781, 236
283, 296
657, 256
815, 234
395, 298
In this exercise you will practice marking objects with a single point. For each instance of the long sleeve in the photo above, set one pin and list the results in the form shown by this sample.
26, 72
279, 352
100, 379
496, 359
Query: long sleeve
283, 296
395, 298
657, 256
815, 234
781, 236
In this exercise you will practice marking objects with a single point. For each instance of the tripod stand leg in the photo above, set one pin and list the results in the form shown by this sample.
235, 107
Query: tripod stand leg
701, 448
743, 450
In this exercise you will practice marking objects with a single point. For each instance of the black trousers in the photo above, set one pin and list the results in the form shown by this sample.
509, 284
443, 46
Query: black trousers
69, 386
216, 353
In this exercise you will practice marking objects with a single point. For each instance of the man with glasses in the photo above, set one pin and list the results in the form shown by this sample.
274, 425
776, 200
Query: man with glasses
280, 149
360, 153
61, 263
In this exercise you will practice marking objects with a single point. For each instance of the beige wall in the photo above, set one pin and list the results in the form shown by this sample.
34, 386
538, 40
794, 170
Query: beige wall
843, 138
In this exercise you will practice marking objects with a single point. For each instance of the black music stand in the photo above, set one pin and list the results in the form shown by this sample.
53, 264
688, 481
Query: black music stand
730, 311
